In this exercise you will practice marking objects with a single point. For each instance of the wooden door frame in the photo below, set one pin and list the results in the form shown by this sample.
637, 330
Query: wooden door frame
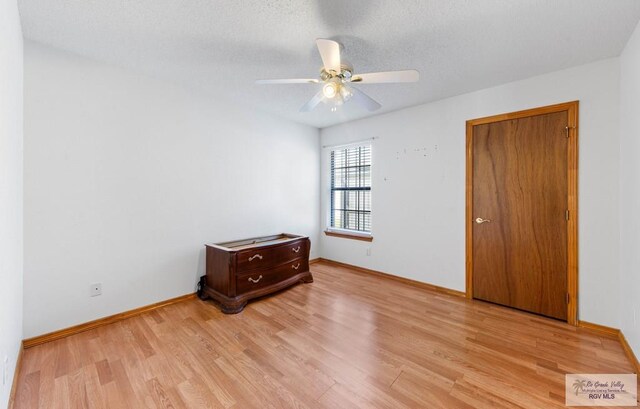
572, 109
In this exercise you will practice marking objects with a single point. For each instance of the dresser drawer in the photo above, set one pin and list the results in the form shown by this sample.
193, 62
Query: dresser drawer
270, 256
263, 278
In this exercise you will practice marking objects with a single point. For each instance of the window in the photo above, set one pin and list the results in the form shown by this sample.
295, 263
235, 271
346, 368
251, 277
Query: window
351, 188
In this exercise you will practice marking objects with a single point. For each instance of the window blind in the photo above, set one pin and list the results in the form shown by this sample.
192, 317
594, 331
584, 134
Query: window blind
351, 188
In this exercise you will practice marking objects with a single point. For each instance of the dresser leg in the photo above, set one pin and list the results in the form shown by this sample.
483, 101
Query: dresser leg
201, 285
233, 308
307, 279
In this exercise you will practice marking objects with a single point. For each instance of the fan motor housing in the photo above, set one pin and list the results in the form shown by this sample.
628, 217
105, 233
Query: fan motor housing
346, 71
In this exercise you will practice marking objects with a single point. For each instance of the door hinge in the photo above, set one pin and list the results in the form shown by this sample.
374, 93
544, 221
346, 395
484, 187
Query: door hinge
567, 298
568, 128
566, 215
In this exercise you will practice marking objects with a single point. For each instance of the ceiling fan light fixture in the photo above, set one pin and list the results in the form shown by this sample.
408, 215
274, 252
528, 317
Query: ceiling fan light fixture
336, 74
331, 89
345, 93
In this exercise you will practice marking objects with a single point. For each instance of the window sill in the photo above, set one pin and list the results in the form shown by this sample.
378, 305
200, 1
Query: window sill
346, 235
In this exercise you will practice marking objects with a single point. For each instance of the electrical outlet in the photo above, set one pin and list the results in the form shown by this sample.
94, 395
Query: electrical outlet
368, 251
96, 289
5, 370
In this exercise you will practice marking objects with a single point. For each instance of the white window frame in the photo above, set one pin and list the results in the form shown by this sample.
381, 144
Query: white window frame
337, 230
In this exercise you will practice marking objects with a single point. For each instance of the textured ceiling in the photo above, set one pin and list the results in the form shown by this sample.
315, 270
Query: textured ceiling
221, 47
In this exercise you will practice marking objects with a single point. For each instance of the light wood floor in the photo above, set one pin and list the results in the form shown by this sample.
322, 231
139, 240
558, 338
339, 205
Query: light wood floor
347, 340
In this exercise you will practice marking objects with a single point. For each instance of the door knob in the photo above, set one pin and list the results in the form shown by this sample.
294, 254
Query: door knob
480, 220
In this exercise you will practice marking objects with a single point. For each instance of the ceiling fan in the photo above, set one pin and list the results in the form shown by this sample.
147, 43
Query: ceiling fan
337, 75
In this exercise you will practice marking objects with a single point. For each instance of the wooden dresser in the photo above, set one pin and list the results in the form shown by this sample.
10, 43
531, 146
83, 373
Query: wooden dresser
238, 271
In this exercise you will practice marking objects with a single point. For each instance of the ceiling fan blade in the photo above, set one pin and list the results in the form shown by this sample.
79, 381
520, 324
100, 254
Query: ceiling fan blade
313, 102
364, 100
387, 76
330, 54
288, 81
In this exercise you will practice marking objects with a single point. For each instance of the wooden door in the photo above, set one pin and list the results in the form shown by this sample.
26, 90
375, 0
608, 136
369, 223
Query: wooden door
520, 212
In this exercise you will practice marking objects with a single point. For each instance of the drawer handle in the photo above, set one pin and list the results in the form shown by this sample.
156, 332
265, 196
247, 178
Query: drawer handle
255, 281
295, 267
297, 249
255, 256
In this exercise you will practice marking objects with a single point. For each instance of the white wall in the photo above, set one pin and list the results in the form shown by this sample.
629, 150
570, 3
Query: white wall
418, 197
630, 191
127, 177
10, 193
